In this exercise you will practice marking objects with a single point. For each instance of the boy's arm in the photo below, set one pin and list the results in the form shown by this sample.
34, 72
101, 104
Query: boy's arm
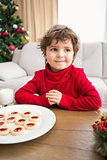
25, 95
88, 98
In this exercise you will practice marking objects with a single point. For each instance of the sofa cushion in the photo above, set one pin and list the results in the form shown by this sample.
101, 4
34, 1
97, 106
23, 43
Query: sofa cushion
31, 58
92, 59
16, 55
104, 49
78, 60
10, 70
15, 84
105, 81
101, 87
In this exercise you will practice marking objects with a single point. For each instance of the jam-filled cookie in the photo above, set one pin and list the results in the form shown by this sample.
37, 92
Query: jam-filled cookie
26, 114
2, 123
29, 125
34, 118
10, 119
4, 131
20, 121
14, 113
17, 130
2, 116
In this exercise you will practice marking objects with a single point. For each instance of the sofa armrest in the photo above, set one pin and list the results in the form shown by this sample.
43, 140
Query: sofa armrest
16, 56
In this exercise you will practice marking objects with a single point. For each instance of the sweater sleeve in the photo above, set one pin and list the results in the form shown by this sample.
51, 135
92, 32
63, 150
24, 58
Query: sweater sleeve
26, 94
88, 97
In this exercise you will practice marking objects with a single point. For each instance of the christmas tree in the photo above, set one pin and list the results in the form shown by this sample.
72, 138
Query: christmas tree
12, 33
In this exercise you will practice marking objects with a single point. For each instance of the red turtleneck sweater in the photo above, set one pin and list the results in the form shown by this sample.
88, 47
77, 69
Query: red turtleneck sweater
77, 91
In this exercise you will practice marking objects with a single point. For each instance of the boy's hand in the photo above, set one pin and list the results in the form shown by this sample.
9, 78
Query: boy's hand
54, 96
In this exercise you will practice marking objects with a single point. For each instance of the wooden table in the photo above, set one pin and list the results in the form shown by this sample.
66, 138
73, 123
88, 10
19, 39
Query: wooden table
71, 138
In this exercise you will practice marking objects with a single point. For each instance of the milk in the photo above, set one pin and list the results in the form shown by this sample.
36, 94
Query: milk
6, 96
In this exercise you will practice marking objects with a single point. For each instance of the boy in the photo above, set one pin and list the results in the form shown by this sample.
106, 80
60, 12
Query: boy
60, 83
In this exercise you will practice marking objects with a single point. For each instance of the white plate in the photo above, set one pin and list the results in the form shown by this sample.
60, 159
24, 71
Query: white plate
47, 121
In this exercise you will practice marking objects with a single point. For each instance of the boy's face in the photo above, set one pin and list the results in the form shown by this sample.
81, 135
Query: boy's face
59, 55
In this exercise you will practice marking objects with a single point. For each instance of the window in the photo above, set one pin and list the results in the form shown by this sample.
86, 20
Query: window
85, 17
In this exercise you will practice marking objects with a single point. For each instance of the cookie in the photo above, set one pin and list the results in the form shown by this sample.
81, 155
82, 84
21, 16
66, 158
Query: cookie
10, 119
14, 113
2, 116
4, 131
2, 123
26, 114
29, 125
17, 130
34, 118
20, 121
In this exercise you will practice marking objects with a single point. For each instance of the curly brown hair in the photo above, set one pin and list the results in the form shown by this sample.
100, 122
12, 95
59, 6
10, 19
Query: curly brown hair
62, 33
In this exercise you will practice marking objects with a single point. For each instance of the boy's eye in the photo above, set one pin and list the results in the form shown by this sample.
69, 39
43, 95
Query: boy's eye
67, 50
53, 49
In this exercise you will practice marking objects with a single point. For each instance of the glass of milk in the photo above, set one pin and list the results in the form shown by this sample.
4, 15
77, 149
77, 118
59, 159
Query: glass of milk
6, 96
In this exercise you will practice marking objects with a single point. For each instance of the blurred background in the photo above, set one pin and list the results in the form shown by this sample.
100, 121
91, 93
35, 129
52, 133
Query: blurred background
88, 18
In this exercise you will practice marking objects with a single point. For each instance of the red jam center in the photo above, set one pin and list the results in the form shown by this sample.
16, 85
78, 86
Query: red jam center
14, 113
3, 129
1, 116
1, 123
10, 118
30, 124
27, 113
34, 117
18, 129
21, 120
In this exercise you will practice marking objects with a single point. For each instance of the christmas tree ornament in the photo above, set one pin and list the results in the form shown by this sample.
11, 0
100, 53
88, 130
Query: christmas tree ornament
28, 32
0, 29
11, 47
4, 7
4, 53
21, 31
18, 30
8, 26
23, 28
6, 33
0, 34
15, 26
17, 7
27, 38
13, 34
22, 38
14, 17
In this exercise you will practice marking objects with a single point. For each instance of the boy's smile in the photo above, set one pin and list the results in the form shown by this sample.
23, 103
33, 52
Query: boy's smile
59, 55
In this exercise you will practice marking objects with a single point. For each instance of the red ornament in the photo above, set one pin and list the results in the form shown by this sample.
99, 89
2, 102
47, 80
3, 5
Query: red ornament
6, 33
11, 47
22, 32
19, 30
0, 34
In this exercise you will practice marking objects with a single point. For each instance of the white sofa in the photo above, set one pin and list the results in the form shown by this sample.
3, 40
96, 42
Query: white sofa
91, 56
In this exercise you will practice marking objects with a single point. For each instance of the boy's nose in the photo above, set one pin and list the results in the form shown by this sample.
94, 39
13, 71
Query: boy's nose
60, 54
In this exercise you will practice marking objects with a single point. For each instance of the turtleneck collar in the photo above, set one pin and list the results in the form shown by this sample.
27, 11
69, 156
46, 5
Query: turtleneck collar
58, 76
